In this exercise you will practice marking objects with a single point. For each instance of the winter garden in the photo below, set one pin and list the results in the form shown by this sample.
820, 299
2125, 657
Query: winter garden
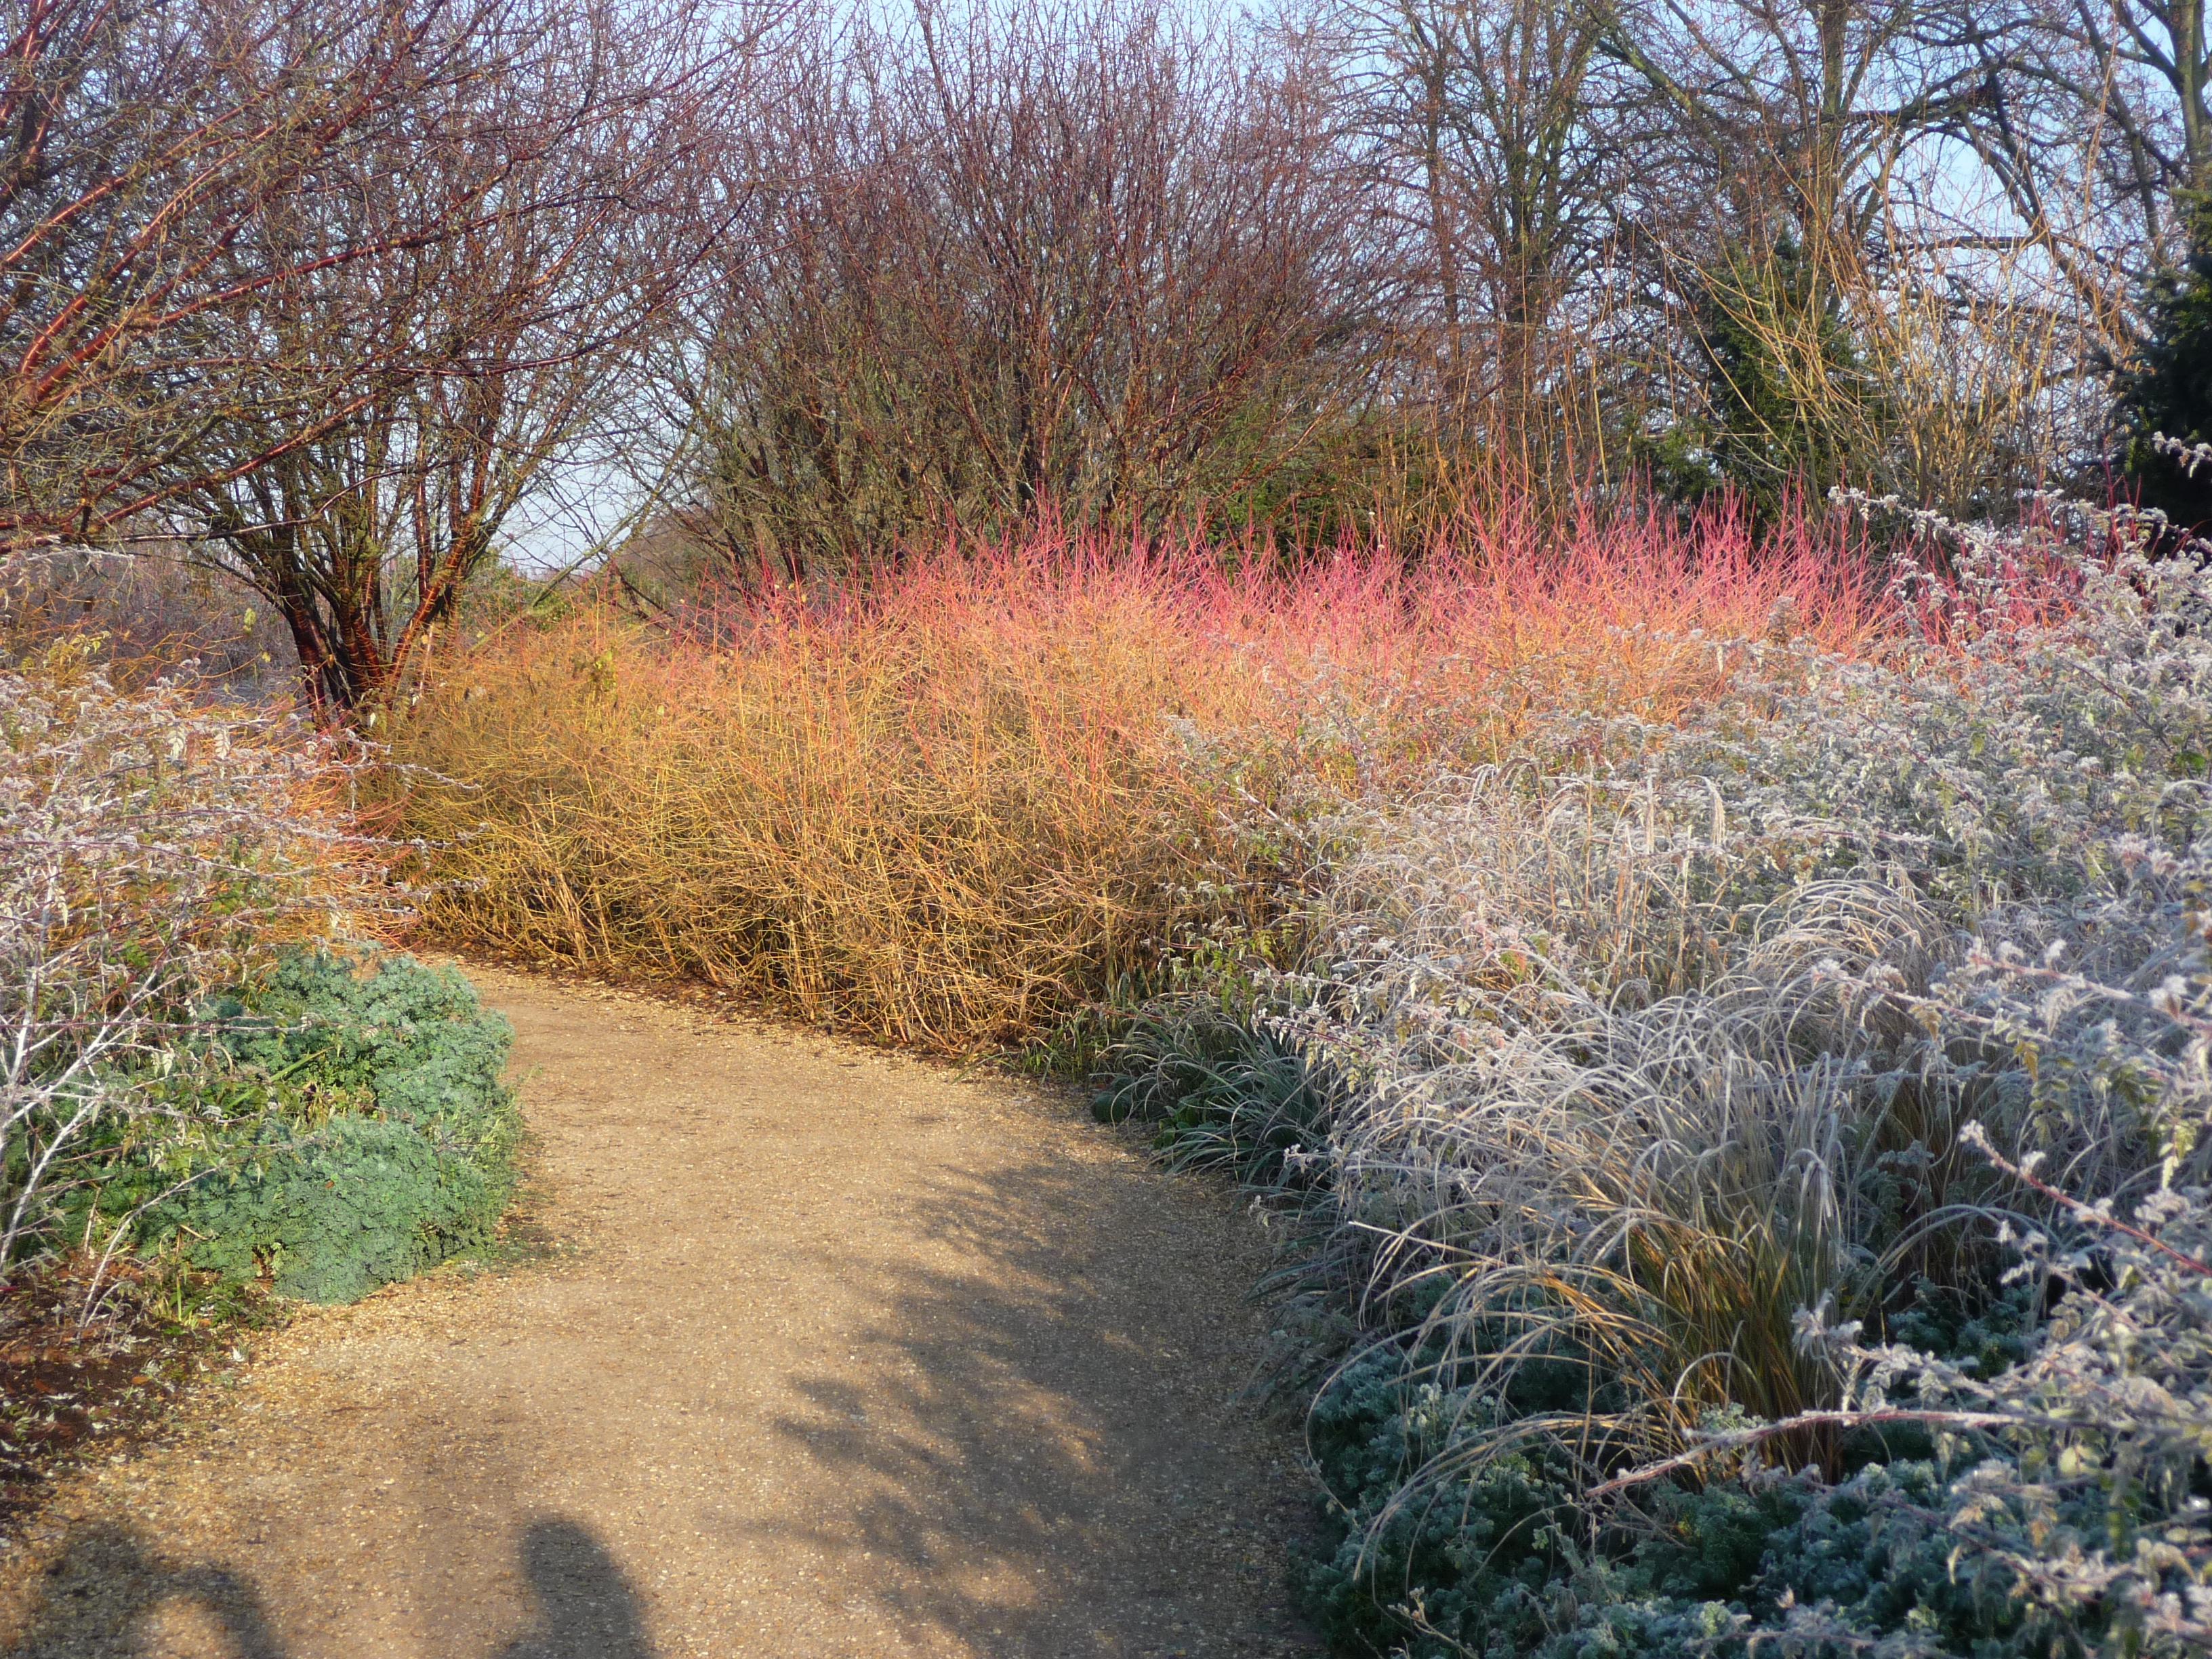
1571, 652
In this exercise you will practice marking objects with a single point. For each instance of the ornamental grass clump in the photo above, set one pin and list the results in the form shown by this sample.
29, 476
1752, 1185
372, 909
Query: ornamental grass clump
1801, 1005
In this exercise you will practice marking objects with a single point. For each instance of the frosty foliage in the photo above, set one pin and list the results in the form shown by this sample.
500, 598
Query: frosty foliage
2088, 1493
152, 848
1801, 1006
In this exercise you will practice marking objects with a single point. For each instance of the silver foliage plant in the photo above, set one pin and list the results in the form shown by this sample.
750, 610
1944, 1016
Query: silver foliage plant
1800, 1008
2113, 1405
153, 847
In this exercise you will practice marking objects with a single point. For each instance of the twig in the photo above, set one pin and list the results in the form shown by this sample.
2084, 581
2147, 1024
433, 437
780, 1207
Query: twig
1826, 1419
1977, 1136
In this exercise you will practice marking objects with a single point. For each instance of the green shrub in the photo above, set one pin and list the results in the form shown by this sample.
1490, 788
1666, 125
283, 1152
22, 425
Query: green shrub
1225, 1092
1470, 1559
384, 1141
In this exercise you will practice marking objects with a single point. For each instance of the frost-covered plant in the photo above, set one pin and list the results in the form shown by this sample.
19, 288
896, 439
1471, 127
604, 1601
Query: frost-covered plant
2065, 1504
1225, 1097
2007, 767
2060, 1505
1661, 1055
1633, 1067
152, 849
2095, 1504
1617, 1107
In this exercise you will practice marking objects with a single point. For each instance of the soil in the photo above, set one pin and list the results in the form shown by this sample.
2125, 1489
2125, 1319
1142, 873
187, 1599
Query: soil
89, 1360
828, 1352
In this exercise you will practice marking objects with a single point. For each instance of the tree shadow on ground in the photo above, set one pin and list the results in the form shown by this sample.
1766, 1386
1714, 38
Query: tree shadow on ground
103, 1592
1036, 1451
1011, 1435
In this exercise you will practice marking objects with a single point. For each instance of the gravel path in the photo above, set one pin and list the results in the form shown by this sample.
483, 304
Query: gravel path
835, 1354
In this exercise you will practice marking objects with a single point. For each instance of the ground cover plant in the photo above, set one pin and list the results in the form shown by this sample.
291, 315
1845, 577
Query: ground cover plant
1755, 1178
190, 1070
382, 1140
962, 805
155, 846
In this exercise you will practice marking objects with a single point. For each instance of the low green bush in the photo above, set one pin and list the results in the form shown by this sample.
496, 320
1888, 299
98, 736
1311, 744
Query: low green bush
1224, 1093
355, 1130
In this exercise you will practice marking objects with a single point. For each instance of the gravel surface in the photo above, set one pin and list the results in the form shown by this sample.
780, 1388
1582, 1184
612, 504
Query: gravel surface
831, 1353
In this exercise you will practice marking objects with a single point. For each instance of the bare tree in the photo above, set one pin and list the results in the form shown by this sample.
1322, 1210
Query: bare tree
1098, 262
562, 177
1494, 128
144, 151
2096, 119
1828, 200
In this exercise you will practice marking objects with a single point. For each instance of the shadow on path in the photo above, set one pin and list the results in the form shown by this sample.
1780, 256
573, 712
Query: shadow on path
105, 1589
852, 1357
1029, 1453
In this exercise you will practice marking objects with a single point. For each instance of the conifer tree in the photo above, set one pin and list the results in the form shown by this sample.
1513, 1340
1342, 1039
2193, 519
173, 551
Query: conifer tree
2168, 387
1788, 401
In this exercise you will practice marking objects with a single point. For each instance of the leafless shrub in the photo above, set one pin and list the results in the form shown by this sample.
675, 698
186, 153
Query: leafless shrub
145, 613
532, 223
321, 296
1101, 261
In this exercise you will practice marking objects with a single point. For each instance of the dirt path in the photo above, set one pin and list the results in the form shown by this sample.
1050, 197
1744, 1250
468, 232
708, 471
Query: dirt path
841, 1355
